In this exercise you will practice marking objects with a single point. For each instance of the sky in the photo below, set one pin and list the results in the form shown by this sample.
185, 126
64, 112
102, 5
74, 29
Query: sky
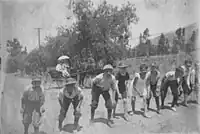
23, 16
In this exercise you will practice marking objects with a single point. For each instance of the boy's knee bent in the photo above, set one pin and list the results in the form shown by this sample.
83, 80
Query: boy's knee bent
108, 104
94, 104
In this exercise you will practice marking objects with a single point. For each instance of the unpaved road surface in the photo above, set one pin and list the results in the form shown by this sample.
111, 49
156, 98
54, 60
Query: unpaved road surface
185, 120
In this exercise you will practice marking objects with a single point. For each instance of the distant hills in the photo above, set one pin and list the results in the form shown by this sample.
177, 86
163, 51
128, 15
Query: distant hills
170, 35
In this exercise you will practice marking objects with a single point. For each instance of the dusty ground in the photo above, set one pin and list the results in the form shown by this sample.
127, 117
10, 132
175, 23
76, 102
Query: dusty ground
184, 120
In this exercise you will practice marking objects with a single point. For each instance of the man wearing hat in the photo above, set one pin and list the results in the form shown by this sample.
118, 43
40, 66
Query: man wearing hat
63, 66
171, 79
140, 88
186, 83
153, 79
101, 85
71, 93
32, 102
122, 77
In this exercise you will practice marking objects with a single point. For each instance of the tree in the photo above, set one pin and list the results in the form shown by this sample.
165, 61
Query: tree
14, 47
100, 28
162, 45
16, 56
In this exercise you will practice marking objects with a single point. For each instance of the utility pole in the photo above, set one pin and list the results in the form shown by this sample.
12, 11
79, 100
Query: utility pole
38, 30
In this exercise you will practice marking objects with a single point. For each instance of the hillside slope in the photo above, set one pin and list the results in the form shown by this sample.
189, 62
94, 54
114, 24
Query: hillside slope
170, 35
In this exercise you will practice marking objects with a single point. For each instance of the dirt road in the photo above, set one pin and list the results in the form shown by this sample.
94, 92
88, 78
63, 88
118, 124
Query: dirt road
184, 120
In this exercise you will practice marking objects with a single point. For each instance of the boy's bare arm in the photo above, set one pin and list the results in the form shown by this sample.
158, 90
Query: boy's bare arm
134, 85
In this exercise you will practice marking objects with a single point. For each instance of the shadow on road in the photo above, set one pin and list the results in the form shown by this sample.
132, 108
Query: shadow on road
69, 128
100, 120
41, 132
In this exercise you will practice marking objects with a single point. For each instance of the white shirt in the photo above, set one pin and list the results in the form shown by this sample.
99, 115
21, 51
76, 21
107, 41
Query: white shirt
106, 83
63, 69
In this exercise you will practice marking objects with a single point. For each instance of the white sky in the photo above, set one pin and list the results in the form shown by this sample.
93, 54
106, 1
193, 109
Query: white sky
51, 13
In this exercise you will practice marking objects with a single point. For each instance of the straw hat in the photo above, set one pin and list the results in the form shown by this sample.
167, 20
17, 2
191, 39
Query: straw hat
70, 81
108, 67
122, 65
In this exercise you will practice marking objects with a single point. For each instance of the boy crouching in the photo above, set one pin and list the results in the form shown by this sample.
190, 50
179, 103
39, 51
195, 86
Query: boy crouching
71, 93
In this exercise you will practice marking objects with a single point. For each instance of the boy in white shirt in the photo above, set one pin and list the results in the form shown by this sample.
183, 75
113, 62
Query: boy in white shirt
141, 89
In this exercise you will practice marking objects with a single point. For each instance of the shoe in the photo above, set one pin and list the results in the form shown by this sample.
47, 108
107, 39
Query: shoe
158, 111
131, 113
173, 109
146, 115
77, 127
60, 126
162, 107
126, 117
110, 123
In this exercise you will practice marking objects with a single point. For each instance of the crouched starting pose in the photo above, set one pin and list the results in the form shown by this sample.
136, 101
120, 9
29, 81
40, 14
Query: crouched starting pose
101, 85
173, 80
71, 93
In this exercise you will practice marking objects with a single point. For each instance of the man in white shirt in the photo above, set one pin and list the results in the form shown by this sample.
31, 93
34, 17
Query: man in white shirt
173, 80
71, 93
101, 85
63, 67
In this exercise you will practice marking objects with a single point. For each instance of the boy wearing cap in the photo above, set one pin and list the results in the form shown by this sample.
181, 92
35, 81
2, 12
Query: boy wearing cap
187, 84
71, 93
101, 85
140, 88
32, 101
122, 77
171, 79
153, 80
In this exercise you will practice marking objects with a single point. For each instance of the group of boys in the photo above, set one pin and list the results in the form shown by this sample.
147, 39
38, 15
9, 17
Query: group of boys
145, 83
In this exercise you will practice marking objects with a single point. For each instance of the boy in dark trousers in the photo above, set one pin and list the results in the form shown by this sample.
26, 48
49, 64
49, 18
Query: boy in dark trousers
122, 77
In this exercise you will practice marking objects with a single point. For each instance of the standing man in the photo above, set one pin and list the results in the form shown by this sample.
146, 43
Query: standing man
186, 83
63, 66
153, 77
122, 77
32, 103
171, 79
141, 89
101, 85
71, 93
195, 81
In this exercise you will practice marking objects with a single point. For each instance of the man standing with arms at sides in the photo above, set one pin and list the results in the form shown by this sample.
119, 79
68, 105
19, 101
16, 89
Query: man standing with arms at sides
32, 103
71, 93
153, 79
101, 85
171, 79
122, 77
141, 89
186, 80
